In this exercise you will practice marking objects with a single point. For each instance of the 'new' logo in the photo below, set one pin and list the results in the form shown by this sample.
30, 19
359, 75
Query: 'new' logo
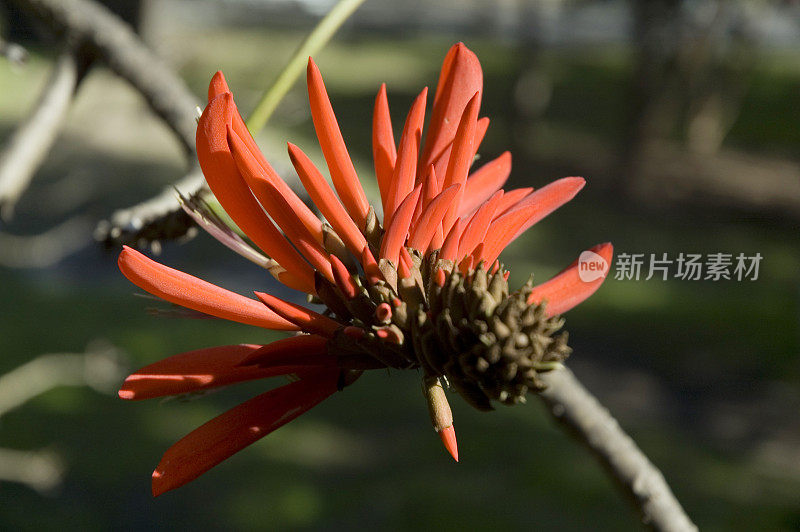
591, 267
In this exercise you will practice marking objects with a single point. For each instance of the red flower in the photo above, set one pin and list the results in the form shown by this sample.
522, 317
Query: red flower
424, 302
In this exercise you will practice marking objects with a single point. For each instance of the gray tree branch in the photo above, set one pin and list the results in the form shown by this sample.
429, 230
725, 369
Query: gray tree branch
31, 142
580, 412
115, 42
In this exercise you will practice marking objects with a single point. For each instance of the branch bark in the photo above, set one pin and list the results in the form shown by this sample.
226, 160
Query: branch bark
115, 42
117, 45
572, 406
31, 142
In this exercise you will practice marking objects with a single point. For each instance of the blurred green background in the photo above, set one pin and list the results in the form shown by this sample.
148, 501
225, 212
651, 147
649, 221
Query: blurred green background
689, 142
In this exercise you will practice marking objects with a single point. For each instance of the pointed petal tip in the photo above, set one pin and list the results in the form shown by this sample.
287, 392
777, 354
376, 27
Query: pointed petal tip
448, 436
218, 85
157, 484
128, 395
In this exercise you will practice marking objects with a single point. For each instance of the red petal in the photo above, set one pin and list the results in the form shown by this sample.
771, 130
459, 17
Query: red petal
460, 78
384, 151
511, 198
549, 198
343, 279
566, 290
237, 428
190, 292
405, 168
370, 265
448, 436
343, 174
535, 206
217, 86
461, 157
431, 218
404, 264
326, 200
397, 231
306, 319
278, 207
292, 351
313, 224
193, 371
449, 249
235, 197
475, 230
480, 132
484, 182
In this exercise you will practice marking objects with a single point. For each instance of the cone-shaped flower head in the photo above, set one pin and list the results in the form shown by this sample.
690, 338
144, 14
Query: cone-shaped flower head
418, 287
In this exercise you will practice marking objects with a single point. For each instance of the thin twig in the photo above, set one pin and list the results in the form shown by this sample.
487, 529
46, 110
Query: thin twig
32, 140
313, 43
118, 46
156, 218
41, 470
99, 367
579, 411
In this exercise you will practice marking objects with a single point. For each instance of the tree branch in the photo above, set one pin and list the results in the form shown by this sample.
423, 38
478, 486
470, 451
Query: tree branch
580, 412
158, 218
32, 140
116, 43
99, 367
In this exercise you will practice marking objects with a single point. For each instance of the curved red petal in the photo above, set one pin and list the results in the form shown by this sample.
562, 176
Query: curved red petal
277, 206
190, 292
343, 174
229, 433
460, 78
198, 370
306, 319
397, 231
475, 230
431, 218
384, 151
484, 182
567, 290
230, 189
405, 168
326, 200
461, 156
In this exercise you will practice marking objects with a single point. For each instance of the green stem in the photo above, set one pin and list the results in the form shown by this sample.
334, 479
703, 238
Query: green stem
321, 34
